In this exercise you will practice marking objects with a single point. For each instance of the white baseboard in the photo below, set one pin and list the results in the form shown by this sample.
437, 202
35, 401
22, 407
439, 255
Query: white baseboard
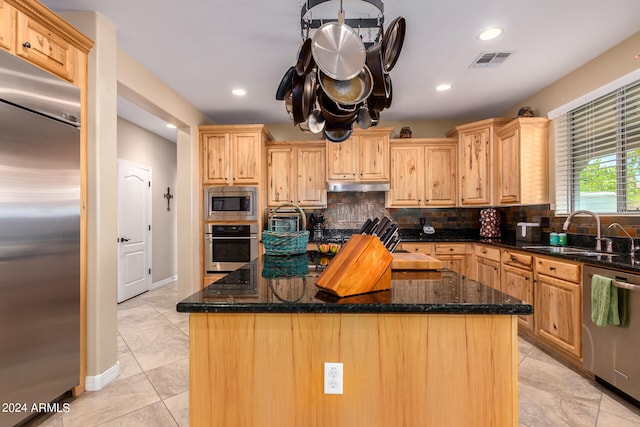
98, 382
164, 282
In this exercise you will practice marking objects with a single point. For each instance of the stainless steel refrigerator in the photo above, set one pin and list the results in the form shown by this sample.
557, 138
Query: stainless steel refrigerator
39, 239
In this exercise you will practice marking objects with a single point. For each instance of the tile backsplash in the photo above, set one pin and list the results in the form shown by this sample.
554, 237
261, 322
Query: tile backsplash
349, 210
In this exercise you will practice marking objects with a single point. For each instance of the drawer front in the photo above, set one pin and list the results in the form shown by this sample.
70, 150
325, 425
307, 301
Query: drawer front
450, 249
488, 252
517, 259
560, 270
424, 248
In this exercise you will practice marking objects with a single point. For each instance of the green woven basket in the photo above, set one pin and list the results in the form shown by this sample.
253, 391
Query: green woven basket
276, 267
282, 243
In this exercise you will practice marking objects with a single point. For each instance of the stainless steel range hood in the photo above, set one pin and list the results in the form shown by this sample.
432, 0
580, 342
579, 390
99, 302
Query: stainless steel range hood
343, 186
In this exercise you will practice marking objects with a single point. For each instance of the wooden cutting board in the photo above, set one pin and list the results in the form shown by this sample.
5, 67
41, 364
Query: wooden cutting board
414, 261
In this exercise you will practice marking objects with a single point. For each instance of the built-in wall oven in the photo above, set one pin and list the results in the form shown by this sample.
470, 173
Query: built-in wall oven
611, 352
228, 247
230, 203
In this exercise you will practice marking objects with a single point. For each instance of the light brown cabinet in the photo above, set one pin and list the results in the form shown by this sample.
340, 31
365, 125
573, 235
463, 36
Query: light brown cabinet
43, 39
558, 304
43, 47
517, 281
453, 256
232, 154
423, 173
476, 160
296, 174
363, 157
7, 26
522, 162
487, 266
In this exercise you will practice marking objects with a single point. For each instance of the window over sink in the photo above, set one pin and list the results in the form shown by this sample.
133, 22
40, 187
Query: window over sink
598, 154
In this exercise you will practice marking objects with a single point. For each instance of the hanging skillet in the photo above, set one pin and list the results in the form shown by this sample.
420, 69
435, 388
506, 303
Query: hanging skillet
286, 84
305, 61
392, 42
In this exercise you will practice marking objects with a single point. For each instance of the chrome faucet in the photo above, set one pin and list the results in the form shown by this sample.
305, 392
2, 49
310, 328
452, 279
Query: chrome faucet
633, 248
565, 227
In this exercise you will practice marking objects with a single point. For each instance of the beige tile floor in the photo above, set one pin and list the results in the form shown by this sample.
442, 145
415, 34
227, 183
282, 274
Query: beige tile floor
153, 386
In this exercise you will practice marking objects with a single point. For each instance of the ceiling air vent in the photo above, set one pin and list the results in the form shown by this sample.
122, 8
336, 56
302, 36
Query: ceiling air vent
492, 59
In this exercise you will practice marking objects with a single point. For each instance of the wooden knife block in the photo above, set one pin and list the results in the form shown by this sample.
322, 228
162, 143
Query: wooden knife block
362, 265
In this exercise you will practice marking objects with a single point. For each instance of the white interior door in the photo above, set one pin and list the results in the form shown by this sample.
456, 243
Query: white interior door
134, 229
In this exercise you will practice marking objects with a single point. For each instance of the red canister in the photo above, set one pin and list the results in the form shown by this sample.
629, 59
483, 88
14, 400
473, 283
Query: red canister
490, 223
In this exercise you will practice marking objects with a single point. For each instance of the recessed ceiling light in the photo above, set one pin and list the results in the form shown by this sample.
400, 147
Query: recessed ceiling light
443, 87
239, 92
171, 126
490, 33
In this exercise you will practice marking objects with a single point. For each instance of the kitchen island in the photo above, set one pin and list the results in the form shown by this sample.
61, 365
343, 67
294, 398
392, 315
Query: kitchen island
435, 349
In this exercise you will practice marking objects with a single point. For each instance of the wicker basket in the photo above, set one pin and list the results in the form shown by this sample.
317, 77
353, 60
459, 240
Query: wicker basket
279, 243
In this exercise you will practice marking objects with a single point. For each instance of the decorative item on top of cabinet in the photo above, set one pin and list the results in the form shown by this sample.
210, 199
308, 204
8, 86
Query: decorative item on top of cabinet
296, 174
363, 157
558, 304
517, 281
232, 154
522, 159
476, 160
423, 172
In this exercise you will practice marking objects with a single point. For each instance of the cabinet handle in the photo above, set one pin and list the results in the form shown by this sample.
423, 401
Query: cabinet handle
513, 259
26, 45
484, 252
552, 268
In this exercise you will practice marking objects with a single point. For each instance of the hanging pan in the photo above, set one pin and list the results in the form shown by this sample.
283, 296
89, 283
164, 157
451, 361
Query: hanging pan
305, 61
338, 50
347, 92
286, 84
392, 42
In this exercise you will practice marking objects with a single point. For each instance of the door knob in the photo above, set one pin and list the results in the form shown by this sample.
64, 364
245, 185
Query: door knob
122, 239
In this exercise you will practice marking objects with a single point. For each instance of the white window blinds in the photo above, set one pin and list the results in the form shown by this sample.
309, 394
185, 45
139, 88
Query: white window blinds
598, 154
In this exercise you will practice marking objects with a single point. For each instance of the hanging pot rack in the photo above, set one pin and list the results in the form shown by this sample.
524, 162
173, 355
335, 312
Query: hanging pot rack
307, 22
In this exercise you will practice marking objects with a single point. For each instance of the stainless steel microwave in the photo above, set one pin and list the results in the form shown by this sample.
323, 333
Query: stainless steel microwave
228, 203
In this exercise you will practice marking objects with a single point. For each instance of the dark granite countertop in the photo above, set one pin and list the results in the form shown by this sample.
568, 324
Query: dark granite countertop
287, 285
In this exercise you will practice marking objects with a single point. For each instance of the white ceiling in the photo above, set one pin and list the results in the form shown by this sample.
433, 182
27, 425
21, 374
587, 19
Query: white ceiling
203, 49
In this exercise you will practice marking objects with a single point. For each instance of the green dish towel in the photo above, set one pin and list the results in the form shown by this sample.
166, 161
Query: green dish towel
604, 301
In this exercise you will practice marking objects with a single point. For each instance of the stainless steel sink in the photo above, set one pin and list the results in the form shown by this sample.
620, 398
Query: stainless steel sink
568, 250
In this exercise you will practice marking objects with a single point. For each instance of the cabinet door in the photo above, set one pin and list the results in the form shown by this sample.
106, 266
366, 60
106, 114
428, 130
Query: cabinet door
440, 175
42, 47
7, 26
518, 283
407, 177
488, 272
311, 182
280, 173
475, 182
217, 155
558, 313
246, 155
342, 160
455, 263
373, 157
508, 147
425, 248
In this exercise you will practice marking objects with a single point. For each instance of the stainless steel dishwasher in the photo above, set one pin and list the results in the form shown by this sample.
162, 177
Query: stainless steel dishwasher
612, 353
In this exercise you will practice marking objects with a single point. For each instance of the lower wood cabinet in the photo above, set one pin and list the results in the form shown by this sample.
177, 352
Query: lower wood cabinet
558, 304
487, 265
453, 256
517, 281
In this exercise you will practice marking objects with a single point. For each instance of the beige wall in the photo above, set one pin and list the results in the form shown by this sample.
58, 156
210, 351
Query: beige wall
113, 73
140, 146
419, 128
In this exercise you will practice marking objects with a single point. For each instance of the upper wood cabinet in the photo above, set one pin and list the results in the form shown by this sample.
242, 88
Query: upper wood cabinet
7, 26
29, 30
476, 160
296, 174
231, 155
423, 173
522, 160
363, 157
